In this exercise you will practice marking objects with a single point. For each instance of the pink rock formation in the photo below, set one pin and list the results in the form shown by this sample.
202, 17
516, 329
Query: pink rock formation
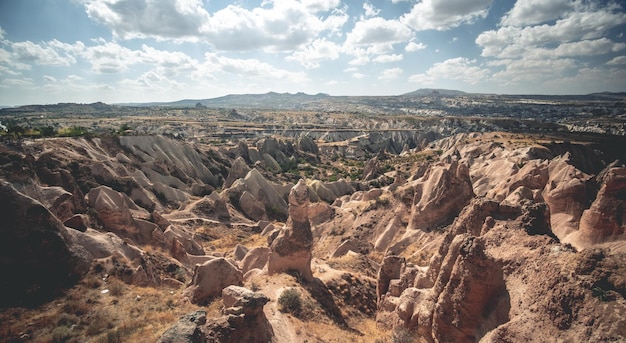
242, 318
439, 195
210, 278
291, 249
566, 196
37, 257
255, 258
605, 220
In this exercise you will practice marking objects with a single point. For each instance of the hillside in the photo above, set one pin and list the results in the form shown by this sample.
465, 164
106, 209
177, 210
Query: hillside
511, 237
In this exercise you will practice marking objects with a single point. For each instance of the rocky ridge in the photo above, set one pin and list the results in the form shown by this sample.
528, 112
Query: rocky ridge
474, 238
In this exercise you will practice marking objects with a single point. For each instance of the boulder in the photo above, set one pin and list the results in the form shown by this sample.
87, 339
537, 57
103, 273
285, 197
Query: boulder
240, 300
113, 209
255, 258
188, 329
238, 170
265, 192
239, 252
242, 320
252, 207
210, 278
370, 170
210, 208
186, 238
36, 257
322, 192
78, 222
270, 163
307, 144
389, 270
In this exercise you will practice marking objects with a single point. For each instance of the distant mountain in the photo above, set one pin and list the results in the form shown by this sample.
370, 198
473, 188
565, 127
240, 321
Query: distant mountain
433, 91
96, 107
267, 100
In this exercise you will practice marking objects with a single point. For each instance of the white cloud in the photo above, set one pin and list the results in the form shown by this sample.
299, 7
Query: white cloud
49, 78
358, 75
22, 83
320, 5
412, 46
375, 36
459, 68
110, 58
578, 26
390, 74
526, 12
445, 14
536, 70
28, 53
370, 11
542, 41
178, 19
276, 25
378, 31
587, 48
253, 68
596, 78
387, 58
619, 60
319, 50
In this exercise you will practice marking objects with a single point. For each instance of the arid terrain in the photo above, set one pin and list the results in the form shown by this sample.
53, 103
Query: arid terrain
345, 219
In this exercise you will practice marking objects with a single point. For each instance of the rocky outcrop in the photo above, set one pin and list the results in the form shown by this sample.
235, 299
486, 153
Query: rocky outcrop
172, 157
260, 192
242, 318
291, 250
371, 169
478, 280
252, 207
566, 196
440, 195
210, 207
114, 211
188, 329
36, 257
238, 170
605, 220
210, 277
255, 258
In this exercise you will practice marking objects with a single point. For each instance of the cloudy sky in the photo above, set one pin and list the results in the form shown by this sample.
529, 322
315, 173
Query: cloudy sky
163, 50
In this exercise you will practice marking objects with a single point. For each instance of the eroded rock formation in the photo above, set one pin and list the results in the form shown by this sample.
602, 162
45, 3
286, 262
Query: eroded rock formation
291, 250
210, 278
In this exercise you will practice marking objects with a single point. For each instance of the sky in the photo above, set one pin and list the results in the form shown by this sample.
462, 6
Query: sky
119, 51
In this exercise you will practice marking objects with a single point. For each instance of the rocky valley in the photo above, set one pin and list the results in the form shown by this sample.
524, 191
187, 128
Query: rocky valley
315, 224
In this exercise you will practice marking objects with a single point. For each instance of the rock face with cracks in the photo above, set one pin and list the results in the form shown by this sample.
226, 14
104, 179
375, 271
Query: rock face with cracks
210, 277
242, 318
441, 193
37, 257
291, 250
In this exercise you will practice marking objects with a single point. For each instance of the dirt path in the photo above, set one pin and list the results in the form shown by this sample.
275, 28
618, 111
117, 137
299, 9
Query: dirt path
284, 331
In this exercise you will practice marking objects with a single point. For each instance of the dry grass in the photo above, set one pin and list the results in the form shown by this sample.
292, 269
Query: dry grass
124, 314
224, 240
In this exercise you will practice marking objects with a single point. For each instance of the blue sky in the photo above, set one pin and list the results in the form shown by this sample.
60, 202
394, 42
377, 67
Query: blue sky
163, 50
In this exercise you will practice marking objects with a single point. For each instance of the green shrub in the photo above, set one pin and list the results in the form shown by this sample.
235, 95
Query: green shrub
290, 301
61, 334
